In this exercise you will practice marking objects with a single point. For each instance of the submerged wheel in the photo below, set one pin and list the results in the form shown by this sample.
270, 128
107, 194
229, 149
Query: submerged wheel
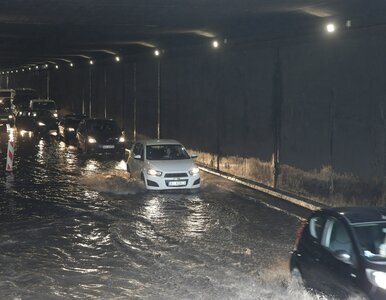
296, 277
143, 180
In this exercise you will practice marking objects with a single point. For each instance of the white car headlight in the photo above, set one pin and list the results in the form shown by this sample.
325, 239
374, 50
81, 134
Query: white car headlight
122, 139
194, 171
153, 172
70, 129
34, 114
55, 115
10, 117
41, 124
91, 140
377, 278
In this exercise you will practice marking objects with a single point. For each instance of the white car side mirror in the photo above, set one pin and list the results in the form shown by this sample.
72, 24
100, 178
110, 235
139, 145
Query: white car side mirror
137, 156
194, 156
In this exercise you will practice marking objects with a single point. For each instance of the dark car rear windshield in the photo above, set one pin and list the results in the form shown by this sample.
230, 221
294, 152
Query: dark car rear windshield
103, 126
372, 240
44, 105
166, 152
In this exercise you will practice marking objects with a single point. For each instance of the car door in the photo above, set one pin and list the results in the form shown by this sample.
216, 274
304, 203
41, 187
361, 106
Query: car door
310, 250
338, 277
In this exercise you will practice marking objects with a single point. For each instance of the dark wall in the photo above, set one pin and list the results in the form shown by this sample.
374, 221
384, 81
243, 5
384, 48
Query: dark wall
305, 115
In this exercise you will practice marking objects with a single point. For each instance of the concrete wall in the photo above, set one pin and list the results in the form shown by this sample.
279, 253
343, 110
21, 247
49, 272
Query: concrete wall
305, 115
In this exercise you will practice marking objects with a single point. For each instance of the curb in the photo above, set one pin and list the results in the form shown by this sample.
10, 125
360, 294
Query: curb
266, 190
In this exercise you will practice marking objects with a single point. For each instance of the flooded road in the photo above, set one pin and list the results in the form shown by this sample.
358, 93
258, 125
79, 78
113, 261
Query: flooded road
77, 227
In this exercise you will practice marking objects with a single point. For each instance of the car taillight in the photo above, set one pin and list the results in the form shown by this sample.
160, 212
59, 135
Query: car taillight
300, 232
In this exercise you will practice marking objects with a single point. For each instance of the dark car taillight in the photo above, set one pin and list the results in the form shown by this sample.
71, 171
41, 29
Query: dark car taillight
300, 231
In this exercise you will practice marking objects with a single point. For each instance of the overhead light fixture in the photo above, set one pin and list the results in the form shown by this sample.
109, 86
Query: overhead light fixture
330, 27
215, 44
91, 62
157, 52
117, 59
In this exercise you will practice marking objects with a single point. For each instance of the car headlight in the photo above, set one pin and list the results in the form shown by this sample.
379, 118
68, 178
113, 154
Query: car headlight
152, 172
194, 171
71, 129
55, 115
91, 140
122, 139
34, 114
377, 278
41, 124
10, 117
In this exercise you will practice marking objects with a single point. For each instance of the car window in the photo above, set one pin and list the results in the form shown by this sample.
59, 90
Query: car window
337, 237
136, 149
371, 238
316, 227
166, 152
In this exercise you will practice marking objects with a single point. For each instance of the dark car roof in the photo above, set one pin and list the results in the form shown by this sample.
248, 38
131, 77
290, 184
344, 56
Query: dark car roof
71, 116
356, 215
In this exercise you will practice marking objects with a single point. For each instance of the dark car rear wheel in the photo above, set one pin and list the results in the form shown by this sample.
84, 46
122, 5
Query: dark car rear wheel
296, 277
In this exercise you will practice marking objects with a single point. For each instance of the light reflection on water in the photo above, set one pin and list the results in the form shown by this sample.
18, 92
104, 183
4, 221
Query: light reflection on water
77, 227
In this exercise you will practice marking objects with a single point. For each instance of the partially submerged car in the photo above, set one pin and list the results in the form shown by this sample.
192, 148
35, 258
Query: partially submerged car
6, 114
342, 252
163, 165
100, 136
46, 123
68, 126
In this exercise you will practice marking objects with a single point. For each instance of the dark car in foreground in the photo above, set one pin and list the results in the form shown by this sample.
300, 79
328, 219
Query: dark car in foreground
68, 126
341, 252
100, 136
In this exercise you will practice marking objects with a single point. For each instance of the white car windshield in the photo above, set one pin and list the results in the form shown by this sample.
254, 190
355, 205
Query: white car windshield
166, 152
372, 240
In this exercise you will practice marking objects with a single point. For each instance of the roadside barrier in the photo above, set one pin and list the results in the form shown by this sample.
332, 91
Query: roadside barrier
10, 155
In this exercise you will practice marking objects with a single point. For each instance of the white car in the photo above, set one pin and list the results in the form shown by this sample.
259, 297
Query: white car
163, 165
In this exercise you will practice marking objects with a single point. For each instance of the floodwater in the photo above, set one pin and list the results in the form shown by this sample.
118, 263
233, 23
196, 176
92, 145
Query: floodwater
77, 227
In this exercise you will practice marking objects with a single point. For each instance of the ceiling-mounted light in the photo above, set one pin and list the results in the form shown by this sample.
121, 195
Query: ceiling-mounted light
117, 59
215, 44
91, 62
330, 27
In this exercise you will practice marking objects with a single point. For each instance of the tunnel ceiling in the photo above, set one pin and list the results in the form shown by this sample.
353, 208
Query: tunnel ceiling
62, 30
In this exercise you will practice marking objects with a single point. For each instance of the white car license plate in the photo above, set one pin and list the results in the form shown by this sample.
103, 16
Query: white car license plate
108, 147
177, 183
